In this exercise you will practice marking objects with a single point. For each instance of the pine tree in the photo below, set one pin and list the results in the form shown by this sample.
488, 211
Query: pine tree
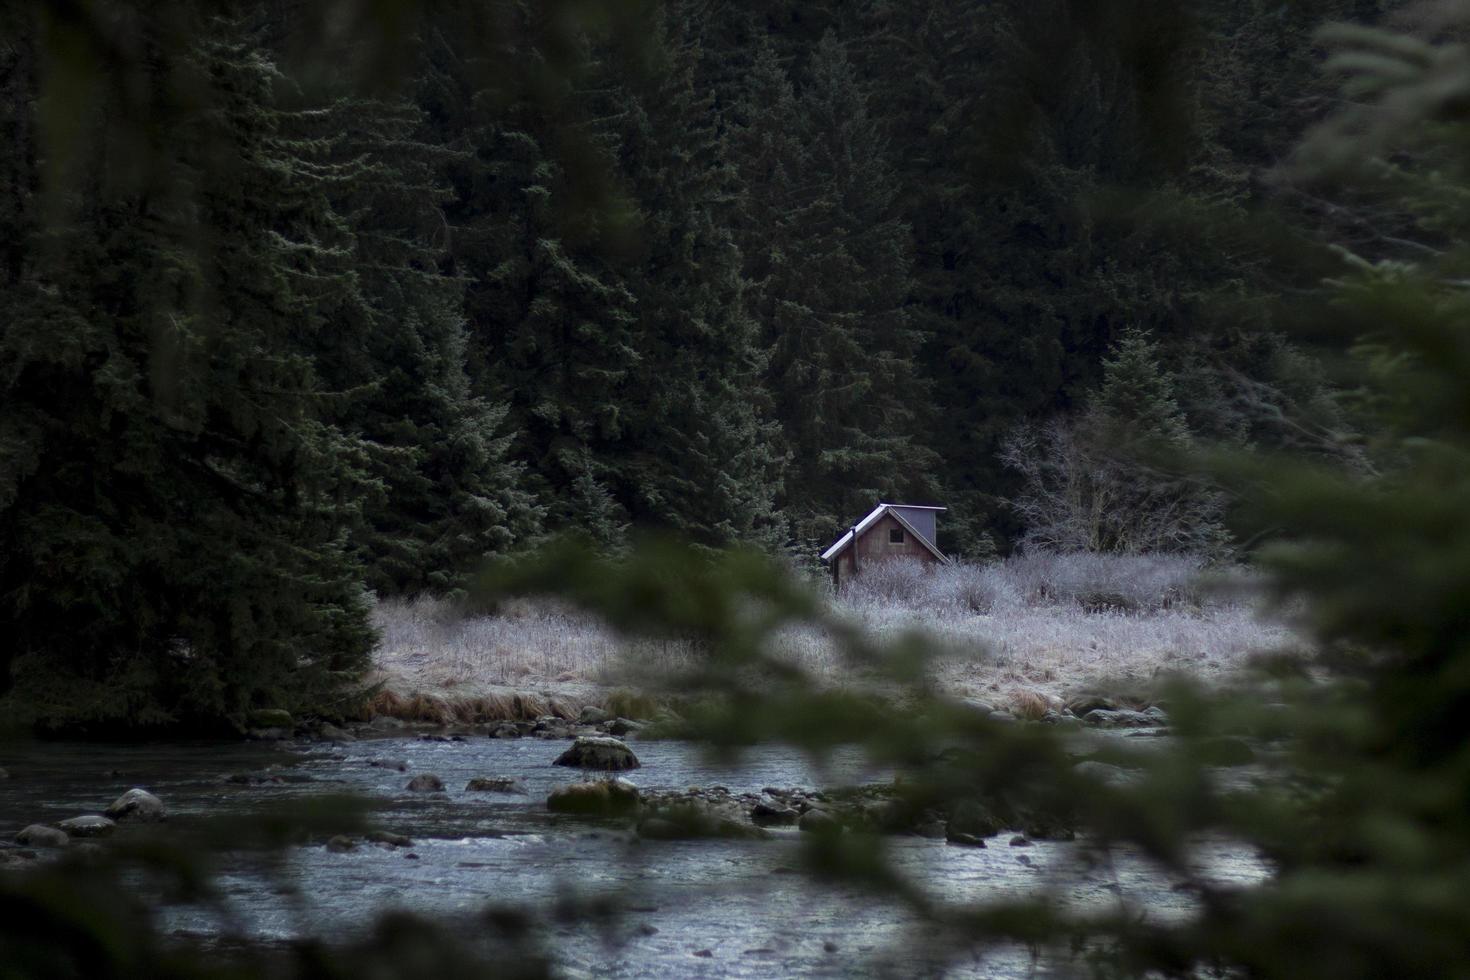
830, 261
175, 500
702, 457
444, 493
536, 227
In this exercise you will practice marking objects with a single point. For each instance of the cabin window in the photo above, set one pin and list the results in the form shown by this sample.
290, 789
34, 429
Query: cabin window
895, 535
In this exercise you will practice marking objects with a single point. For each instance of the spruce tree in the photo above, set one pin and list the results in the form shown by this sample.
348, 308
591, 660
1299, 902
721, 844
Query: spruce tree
702, 458
830, 260
175, 500
536, 227
444, 494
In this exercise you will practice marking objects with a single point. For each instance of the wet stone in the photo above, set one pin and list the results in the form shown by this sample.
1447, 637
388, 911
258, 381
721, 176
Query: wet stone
498, 784
88, 826
37, 835
137, 806
426, 783
598, 752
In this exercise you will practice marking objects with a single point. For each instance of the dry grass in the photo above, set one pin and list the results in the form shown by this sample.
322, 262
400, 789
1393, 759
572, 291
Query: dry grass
1021, 634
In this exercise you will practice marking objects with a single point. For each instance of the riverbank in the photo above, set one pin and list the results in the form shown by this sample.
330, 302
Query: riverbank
1024, 636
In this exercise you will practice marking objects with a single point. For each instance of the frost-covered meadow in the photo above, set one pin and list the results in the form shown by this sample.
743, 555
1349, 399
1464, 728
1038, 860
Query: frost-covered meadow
1022, 633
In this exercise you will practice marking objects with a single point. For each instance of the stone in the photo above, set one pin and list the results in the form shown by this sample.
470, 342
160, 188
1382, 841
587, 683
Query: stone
386, 723
623, 726
341, 844
426, 783
137, 806
268, 734
593, 715
397, 765
598, 752
973, 819
38, 835
819, 821
389, 838
505, 729
1019, 841
90, 825
270, 718
1106, 774
331, 733
771, 814
499, 784
704, 953
1081, 704
605, 798
4, 774
1102, 718
965, 840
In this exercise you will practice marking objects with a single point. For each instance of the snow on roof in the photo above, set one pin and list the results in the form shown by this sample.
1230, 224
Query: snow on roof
877, 513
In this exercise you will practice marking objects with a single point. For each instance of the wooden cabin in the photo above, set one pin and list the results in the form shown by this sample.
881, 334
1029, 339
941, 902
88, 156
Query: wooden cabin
890, 531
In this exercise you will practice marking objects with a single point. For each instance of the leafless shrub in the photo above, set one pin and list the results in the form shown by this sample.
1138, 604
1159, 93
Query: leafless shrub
1078, 494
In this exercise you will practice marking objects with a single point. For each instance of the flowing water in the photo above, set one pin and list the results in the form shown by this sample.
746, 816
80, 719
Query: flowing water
691, 908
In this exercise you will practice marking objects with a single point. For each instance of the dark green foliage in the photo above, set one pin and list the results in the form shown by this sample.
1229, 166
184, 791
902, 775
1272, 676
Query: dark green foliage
829, 261
176, 505
704, 456
443, 494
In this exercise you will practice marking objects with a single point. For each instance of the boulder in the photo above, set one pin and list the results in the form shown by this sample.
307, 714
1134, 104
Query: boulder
623, 726
505, 729
604, 798
270, 718
386, 723
1106, 774
88, 826
1081, 704
691, 821
397, 765
38, 835
389, 838
965, 840
1102, 718
137, 806
593, 715
341, 844
819, 821
598, 752
268, 734
767, 813
972, 819
331, 733
426, 783
1020, 841
498, 784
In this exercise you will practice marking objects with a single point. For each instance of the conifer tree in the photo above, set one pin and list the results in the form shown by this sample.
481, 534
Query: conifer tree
830, 260
175, 501
535, 229
444, 494
702, 457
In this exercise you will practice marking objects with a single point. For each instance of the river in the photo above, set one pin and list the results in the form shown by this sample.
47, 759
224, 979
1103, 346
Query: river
691, 908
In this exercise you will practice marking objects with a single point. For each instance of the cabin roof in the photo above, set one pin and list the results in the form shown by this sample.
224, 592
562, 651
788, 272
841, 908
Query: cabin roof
862, 526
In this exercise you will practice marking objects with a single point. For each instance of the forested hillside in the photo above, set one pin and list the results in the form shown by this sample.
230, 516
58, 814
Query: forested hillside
274, 336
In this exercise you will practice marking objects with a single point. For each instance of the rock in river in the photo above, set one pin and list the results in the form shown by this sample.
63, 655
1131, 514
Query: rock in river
486, 784
37, 835
88, 826
600, 799
137, 806
426, 783
598, 752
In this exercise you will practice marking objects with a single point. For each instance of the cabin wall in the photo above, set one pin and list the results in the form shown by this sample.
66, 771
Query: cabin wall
873, 546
